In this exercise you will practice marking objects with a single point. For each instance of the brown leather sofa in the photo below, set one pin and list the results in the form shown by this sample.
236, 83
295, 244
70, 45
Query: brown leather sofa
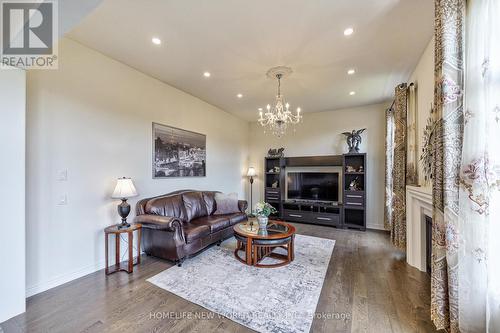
180, 224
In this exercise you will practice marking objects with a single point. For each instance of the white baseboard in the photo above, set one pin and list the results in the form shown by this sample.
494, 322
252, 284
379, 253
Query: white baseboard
375, 226
63, 278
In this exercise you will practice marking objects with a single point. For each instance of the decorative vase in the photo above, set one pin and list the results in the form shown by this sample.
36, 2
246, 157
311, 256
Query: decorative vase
262, 221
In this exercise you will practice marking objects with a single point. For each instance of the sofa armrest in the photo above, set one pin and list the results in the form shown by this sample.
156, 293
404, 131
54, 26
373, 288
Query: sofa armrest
159, 222
242, 205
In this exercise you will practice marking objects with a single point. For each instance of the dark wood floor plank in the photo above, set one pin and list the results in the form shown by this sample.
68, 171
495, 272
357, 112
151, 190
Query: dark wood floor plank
368, 288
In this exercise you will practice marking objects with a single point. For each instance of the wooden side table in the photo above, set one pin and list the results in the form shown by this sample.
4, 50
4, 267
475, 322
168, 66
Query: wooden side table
130, 231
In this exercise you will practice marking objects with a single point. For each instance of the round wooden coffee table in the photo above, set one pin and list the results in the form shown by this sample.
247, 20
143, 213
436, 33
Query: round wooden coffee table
258, 244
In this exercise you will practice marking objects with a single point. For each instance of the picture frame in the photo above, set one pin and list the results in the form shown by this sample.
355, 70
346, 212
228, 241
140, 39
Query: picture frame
177, 152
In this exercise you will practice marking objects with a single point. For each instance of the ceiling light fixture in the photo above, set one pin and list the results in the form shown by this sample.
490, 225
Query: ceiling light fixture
348, 31
260, 109
351, 71
352, 93
278, 117
206, 74
156, 40
239, 95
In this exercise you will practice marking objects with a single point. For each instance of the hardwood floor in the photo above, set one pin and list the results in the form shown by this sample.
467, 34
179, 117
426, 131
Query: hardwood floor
368, 284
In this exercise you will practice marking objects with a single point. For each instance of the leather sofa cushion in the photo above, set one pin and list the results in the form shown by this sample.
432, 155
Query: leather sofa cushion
193, 231
237, 218
167, 206
195, 205
215, 222
209, 198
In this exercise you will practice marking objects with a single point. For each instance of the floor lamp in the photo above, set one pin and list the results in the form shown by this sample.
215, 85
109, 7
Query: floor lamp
251, 173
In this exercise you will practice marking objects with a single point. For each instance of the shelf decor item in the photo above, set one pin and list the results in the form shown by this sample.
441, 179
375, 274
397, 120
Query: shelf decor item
124, 189
353, 139
275, 153
263, 210
350, 168
354, 185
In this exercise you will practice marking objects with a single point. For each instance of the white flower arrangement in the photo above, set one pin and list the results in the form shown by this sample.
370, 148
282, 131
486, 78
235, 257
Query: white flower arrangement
264, 209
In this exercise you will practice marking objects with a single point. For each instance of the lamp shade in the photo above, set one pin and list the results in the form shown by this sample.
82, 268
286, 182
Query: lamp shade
124, 189
251, 172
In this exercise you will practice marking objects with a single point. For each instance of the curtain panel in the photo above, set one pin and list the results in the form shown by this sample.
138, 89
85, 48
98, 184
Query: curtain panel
389, 163
398, 200
479, 195
411, 137
448, 102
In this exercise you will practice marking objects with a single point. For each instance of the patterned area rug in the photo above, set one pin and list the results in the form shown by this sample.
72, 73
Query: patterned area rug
273, 300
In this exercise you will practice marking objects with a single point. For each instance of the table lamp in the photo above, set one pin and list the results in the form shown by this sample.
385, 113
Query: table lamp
124, 189
251, 173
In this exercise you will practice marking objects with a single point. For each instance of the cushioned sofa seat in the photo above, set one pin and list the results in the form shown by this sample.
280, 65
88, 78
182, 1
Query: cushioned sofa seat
236, 218
194, 231
182, 223
215, 222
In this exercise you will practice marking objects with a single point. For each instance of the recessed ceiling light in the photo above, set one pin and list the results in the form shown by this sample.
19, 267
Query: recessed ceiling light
352, 93
206, 74
239, 95
348, 31
351, 71
156, 40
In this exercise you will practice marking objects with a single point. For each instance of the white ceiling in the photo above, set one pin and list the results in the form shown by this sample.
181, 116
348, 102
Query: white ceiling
238, 41
72, 11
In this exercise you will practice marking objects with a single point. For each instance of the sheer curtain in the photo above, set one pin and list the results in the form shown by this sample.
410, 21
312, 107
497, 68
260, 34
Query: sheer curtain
479, 195
389, 163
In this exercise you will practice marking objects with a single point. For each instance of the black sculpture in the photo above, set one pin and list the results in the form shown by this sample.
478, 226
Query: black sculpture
276, 153
353, 140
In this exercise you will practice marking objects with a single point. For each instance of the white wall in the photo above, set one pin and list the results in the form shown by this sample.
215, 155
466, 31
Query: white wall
12, 192
423, 77
320, 134
93, 117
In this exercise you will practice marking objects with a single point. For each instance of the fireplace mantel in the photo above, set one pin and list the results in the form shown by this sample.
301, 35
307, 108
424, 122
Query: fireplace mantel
418, 205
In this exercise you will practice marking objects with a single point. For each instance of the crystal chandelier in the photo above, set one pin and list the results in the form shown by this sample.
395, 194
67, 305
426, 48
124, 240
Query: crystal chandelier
279, 117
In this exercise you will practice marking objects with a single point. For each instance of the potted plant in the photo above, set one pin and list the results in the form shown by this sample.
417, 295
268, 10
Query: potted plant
263, 210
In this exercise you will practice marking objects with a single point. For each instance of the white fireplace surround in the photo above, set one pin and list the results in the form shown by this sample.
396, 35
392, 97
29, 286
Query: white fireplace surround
418, 205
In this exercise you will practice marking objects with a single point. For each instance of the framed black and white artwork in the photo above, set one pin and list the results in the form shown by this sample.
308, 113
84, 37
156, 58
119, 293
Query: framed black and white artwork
178, 153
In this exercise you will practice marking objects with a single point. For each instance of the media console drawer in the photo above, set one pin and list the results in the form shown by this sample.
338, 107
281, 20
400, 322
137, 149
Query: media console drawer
354, 198
310, 217
327, 218
296, 215
272, 194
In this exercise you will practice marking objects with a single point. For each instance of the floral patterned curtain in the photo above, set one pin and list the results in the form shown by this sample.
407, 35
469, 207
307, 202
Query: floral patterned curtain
398, 200
448, 102
465, 279
479, 195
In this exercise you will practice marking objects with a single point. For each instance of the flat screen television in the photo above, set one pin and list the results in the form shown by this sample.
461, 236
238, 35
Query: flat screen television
317, 186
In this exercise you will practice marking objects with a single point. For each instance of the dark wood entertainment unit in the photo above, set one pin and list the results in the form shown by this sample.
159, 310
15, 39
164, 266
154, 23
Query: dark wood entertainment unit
349, 212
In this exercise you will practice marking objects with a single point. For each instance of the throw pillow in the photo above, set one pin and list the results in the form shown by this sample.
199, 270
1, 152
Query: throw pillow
226, 203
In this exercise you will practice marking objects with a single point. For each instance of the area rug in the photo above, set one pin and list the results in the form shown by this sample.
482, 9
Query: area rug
273, 300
